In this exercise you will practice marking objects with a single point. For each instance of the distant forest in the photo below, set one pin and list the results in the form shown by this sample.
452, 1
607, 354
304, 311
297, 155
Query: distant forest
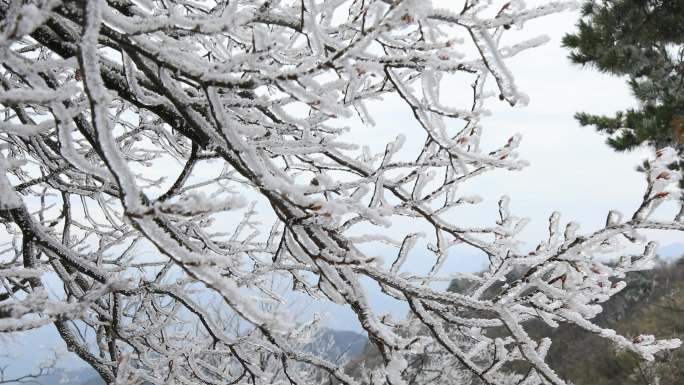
652, 303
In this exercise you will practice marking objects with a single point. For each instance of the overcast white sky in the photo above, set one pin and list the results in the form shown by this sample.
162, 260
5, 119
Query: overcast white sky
571, 169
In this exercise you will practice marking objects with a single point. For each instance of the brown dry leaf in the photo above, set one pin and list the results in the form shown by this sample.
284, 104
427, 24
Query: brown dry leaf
661, 194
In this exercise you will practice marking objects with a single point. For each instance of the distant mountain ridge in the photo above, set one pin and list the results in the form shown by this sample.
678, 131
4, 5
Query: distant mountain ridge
338, 346
83, 376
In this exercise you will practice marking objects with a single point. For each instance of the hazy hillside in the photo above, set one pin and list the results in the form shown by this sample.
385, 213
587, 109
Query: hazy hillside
338, 346
335, 345
652, 303
84, 376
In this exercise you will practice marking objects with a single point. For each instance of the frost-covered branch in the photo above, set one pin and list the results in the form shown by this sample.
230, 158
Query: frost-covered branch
175, 174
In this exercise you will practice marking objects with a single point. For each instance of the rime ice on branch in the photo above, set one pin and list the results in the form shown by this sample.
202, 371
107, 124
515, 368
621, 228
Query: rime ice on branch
101, 98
